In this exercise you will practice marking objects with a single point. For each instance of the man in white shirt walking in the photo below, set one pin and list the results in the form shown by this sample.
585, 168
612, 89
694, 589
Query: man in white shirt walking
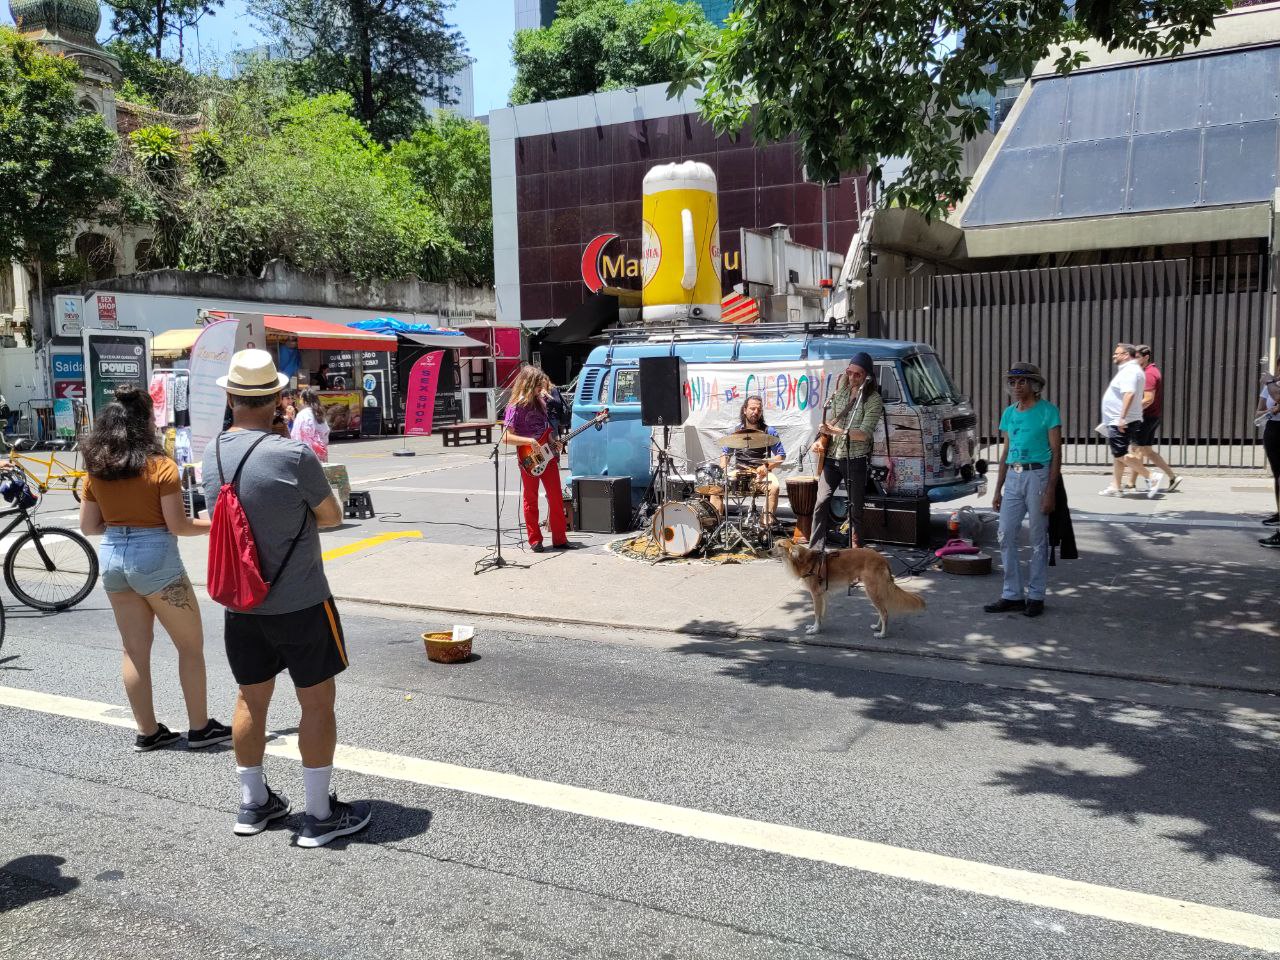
1122, 415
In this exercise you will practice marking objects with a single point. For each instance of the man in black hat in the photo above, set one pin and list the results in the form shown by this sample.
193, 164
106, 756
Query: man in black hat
852, 417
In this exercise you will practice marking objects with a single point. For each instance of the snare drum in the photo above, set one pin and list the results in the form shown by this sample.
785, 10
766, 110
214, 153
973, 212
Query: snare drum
802, 493
680, 528
745, 483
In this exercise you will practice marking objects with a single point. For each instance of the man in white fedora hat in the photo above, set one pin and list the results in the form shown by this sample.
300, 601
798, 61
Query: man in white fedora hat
287, 501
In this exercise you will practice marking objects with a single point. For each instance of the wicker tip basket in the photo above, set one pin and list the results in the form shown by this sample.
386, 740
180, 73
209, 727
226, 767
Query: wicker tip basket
442, 648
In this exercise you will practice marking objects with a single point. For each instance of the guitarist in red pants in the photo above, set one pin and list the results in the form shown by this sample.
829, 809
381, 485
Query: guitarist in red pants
525, 422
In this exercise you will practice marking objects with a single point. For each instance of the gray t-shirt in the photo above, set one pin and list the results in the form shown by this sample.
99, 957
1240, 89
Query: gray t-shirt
282, 483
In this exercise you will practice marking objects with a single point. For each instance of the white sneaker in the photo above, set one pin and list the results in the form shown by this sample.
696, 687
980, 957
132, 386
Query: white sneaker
1153, 485
1110, 492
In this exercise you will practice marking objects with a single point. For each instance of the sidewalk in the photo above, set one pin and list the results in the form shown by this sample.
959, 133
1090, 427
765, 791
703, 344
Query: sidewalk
1173, 589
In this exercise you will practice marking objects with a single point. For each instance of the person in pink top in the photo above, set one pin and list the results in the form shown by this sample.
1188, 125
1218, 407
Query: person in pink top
525, 420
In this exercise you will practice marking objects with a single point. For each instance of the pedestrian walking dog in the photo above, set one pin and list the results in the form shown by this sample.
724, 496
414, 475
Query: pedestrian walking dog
822, 572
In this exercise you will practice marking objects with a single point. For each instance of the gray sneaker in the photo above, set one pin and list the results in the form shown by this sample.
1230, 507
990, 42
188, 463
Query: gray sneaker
255, 817
344, 818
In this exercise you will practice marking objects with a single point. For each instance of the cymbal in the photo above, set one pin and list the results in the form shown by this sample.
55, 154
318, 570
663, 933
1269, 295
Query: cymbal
742, 439
709, 490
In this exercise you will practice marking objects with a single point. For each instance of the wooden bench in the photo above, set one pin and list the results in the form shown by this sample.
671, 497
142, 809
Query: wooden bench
455, 435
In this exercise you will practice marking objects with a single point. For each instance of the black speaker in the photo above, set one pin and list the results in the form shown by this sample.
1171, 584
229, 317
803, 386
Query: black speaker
662, 399
903, 520
602, 504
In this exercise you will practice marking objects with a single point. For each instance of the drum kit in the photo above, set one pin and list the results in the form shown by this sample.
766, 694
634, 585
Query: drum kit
681, 528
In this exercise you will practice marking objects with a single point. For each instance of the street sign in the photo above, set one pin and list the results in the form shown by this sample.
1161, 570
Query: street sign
68, 389
107, 312
67, 366
69, 315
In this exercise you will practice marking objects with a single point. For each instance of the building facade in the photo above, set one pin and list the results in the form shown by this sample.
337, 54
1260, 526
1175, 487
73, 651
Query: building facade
567, 194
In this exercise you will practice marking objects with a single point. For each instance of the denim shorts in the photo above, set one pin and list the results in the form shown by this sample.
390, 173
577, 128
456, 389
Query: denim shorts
142, 559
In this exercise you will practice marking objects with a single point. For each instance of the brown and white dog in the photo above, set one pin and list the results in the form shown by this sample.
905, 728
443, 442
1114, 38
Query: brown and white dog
838, 569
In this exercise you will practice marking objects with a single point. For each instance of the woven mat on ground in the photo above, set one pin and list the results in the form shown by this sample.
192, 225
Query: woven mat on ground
644, 547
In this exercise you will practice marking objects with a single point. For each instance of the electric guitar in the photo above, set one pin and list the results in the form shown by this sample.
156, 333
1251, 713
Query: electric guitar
534, 457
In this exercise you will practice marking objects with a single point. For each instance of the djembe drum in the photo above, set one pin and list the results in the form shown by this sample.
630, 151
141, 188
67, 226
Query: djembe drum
802, 493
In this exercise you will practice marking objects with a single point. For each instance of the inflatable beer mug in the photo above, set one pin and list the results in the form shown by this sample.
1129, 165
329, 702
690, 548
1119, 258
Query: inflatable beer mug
681, 240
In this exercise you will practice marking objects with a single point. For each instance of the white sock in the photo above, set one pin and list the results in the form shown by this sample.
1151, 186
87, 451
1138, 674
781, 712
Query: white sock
317, 780
253, 785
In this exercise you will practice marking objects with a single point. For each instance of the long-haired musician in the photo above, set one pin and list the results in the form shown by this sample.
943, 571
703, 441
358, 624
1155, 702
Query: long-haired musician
852, 418
758, 463
525, 420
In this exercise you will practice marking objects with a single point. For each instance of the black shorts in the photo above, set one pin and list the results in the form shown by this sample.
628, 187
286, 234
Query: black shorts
308, 642
1144, 433
1119, 440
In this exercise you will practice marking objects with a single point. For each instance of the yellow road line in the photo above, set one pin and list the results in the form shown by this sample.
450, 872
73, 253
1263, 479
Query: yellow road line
368, 542
1154, 912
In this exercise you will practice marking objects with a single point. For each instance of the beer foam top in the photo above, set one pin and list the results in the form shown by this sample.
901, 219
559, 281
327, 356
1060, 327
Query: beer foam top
689, 175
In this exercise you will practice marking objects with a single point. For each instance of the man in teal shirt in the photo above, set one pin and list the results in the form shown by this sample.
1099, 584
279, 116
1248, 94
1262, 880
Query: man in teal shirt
1029, 467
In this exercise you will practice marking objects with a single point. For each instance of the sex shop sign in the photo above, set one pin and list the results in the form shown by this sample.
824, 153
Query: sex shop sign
420, 402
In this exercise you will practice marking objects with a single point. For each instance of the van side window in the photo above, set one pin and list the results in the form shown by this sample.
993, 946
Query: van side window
626, 386
887, 379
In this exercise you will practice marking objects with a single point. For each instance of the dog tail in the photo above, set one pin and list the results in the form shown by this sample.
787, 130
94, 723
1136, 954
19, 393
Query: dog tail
899, 600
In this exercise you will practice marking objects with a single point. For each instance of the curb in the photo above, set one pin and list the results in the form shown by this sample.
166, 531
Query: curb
861, 647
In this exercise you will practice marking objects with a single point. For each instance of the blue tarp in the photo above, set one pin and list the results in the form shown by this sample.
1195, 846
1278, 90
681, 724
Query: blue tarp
392, 326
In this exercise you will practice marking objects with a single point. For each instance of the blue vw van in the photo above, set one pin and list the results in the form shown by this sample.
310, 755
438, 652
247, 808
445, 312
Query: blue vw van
927, 445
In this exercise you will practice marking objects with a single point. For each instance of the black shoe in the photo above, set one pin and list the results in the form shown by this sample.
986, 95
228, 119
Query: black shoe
254, 819
343, 819
1005, 604
537, 548
212, 732
154, 741
566, 546
1272, 521
1034, 608
1271, 541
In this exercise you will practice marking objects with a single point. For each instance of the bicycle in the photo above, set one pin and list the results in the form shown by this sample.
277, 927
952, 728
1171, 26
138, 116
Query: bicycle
48, 568
57, 474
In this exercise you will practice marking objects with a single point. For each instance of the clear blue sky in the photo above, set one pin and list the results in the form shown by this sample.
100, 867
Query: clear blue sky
487, 26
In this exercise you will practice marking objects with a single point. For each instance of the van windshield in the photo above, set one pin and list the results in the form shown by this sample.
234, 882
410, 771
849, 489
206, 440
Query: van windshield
928, 380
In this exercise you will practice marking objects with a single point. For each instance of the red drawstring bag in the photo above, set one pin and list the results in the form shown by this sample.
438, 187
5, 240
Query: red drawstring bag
234, 575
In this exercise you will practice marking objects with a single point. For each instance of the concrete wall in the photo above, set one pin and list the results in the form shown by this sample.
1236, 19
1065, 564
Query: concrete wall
162, 300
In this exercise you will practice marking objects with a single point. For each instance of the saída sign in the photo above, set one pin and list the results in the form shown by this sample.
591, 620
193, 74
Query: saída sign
599, 269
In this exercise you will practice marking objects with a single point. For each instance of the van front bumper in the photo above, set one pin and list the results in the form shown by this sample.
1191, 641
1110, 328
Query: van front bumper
959, 489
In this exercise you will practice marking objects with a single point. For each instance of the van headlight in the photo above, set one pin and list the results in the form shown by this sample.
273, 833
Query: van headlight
948, 454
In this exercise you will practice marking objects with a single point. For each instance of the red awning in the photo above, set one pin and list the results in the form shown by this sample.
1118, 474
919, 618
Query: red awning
321, 335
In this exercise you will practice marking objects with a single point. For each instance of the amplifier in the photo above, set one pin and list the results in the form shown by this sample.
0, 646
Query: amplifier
903, 520
602, 504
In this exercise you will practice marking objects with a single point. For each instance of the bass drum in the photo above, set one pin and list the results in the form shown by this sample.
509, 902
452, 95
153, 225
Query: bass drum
680, 528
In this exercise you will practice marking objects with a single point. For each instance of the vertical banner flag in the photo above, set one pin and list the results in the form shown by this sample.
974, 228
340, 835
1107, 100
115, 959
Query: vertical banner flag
421, 403
206, 401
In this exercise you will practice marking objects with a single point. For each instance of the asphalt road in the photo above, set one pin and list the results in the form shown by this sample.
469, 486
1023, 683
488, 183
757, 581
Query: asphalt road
110, 854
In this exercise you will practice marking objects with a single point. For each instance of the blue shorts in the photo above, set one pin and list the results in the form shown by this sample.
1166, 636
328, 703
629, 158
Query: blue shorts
142, 559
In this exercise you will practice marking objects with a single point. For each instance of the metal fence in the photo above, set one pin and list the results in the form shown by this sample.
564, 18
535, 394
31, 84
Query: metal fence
1206, 319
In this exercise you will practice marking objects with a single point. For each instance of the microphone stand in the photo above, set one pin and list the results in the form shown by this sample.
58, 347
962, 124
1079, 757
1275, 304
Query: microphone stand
495, 561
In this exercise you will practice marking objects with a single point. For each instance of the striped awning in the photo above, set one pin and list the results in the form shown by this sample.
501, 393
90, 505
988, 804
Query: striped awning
735, 308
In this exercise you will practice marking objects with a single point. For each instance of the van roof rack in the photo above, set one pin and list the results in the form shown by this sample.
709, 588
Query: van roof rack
735, 331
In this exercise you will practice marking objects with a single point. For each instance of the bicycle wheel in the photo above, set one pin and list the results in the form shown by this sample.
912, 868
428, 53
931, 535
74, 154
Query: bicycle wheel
1, 624
51, 568
75, 487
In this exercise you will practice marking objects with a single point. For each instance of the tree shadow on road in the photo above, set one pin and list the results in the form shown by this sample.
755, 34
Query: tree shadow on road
32, 878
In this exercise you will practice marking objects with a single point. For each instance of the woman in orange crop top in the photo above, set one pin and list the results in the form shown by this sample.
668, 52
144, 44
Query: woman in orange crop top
133, 497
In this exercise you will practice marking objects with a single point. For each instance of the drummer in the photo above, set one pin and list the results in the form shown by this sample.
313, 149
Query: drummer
757, 463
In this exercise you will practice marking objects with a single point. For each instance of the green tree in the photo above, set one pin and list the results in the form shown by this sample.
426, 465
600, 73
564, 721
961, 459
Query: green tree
162, 84
598, 45
858, 82
385, 54
447, 161
147, 24
54, 156
320, 192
